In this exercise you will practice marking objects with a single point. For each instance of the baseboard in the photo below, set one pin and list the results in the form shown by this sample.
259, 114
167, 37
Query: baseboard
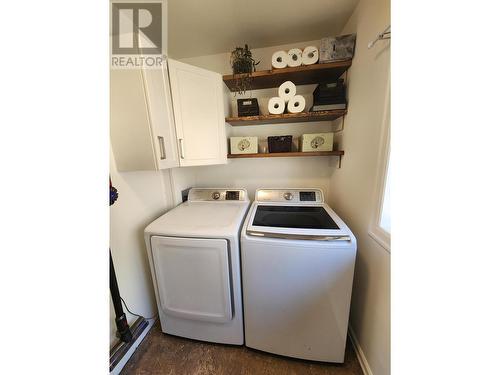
365, 366
118, 368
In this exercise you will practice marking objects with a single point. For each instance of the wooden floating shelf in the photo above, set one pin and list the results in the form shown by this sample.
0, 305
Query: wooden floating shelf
285, 154
301, 75
287, 118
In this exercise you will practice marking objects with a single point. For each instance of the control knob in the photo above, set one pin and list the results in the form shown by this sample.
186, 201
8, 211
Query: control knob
215, 195
288, 196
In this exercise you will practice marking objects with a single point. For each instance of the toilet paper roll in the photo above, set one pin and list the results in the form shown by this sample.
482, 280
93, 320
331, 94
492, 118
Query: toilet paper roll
276, 105
287, 91
279, 59
294, 57
310, 55
296, 104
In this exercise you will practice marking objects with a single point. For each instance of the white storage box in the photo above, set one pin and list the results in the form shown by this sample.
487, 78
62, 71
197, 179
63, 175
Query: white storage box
317, 142
244, 145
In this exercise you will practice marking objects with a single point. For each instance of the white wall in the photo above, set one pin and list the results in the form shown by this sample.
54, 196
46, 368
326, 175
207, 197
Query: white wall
269, 172
143, 196
182, 178
352, 187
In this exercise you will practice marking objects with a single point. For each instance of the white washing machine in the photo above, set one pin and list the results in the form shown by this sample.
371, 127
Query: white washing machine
297, 271
194, 256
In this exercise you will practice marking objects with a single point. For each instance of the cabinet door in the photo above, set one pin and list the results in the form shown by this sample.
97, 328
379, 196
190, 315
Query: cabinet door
129, 123
157, 88
197, 96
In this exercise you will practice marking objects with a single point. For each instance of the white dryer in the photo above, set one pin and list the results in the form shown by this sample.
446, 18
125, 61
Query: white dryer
297, 271
194, 256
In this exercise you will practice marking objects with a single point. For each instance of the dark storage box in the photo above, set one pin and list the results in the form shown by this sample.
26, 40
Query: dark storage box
329, 90
281, 143
248, 107
329, 96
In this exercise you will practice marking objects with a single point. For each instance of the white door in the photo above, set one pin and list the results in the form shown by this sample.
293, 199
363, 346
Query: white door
197, 96
157, 88
192, 276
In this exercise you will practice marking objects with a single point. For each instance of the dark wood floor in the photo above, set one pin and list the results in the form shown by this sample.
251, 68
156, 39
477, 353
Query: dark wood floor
164, 354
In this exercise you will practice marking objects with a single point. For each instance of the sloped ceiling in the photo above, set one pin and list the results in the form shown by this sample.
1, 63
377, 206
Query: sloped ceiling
205, 27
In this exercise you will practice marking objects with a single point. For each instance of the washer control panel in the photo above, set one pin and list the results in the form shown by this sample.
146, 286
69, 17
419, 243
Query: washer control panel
214, 195
289, 195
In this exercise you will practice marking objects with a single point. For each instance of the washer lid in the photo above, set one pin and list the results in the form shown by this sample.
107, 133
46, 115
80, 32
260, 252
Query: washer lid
292, 221
306, 217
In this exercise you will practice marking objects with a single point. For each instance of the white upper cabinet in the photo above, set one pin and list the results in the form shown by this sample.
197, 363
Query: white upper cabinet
141, 120
199, 111
167, 118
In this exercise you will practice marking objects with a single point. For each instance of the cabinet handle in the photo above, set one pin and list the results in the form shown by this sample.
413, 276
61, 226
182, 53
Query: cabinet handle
181, 146
161, 141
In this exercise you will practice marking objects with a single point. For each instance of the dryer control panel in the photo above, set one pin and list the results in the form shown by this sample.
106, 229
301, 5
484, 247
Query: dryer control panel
217, 195
290, 195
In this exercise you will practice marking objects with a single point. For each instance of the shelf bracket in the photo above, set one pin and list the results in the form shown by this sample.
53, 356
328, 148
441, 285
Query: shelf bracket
340, 162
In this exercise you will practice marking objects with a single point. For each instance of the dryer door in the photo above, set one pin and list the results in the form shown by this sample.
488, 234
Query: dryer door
193, 277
